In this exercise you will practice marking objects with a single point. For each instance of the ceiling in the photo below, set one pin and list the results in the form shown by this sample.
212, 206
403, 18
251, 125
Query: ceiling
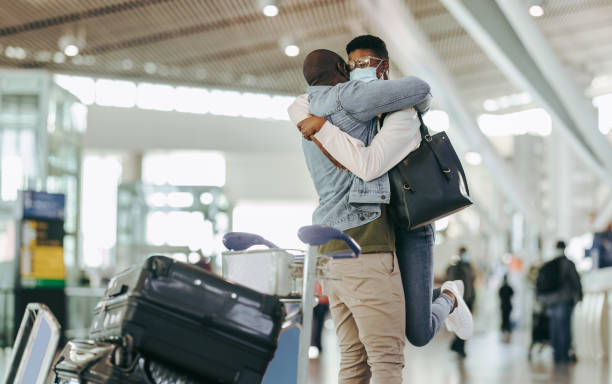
231, 44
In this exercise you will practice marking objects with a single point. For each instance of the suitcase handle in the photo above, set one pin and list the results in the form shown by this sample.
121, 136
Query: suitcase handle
117, 290
240, 241
321, 234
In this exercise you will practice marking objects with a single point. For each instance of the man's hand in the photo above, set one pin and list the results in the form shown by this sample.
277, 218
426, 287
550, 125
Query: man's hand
310, 125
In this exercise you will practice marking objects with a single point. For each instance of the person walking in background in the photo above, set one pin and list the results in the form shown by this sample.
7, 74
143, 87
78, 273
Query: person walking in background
505, 297
558, 288
464, 272
318, 320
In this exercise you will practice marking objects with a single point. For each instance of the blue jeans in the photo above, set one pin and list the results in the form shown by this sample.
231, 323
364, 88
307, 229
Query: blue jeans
560, 315
426, 308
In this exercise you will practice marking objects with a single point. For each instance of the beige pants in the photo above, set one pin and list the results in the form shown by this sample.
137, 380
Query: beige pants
367, 307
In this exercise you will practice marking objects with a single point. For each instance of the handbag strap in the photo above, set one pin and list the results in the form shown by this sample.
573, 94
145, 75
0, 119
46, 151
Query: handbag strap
426, 138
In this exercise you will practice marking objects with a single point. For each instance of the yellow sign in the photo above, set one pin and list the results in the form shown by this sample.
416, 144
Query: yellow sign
42, 251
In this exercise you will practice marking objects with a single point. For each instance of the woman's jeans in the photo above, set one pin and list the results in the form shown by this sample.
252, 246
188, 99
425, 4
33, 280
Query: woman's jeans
426, 309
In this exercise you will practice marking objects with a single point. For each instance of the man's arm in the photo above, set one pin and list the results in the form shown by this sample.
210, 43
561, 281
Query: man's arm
399, 136
298, 111
364, 101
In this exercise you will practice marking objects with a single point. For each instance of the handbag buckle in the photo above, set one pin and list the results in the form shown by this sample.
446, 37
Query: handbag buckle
427, 137
446, 170
408, 188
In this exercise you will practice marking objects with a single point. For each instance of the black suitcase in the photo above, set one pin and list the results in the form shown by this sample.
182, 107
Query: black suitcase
91, 362
181, 314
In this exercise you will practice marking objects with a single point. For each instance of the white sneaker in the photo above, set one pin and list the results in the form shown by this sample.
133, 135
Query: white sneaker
460, 319
313, 352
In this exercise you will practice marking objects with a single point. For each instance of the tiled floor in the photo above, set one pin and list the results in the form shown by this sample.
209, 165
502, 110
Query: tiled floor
489, 361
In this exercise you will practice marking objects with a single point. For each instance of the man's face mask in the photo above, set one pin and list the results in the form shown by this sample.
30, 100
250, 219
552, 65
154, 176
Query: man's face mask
361, 69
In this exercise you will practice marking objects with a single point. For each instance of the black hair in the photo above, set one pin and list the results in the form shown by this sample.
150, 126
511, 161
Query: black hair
324, 67
373, 43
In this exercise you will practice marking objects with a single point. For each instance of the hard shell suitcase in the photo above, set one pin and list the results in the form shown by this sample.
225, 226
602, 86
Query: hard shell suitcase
91, 362
181, 314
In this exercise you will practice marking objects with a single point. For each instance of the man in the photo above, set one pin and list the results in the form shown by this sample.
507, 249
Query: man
463, 271
426, 309
367, 305
558, 288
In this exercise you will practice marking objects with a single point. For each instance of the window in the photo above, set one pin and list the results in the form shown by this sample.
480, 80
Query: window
100, 178
163, 97
184, 168
278, 222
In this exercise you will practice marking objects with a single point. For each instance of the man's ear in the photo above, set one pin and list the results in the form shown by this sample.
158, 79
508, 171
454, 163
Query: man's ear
343, 69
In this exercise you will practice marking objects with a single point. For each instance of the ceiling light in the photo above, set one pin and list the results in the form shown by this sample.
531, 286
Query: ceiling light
270, 10
71, 50
127, 64
268, 7
289, 46
473, 158
44, 56
59, 58
150, 68
71, 45
17, 53
536, 10
292, 50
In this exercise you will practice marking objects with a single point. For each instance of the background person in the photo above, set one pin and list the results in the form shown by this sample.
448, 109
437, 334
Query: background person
558, 288
505, 298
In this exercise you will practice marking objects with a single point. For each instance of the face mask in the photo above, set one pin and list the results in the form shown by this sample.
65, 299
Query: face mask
465, 257
364, 74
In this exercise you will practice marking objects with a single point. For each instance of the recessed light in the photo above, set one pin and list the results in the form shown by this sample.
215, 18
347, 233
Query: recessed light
270, 10
292, 50
71, 50
536, 10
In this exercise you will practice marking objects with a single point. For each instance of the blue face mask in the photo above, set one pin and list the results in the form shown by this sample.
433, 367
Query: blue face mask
364, 74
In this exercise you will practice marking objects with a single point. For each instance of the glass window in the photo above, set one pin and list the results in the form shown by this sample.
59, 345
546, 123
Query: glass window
155, 96
100, 178
193, 100
81, 87
115, 93
184, 168
278, 222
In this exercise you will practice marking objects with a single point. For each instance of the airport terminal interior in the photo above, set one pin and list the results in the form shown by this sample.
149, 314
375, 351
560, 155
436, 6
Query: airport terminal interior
133, 128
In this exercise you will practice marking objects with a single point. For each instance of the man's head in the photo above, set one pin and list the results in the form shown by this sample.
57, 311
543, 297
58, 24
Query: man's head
372, 47
324, 67
560, 246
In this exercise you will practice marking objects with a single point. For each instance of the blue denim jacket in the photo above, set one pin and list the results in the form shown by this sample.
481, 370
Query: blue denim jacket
346, 201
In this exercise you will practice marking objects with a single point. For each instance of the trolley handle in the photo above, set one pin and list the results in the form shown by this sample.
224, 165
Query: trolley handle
240, 241
320, 234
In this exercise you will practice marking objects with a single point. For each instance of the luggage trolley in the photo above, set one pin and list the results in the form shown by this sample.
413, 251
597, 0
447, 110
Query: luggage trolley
288, 274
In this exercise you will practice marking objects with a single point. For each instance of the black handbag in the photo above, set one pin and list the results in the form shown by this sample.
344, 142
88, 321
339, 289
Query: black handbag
428, 184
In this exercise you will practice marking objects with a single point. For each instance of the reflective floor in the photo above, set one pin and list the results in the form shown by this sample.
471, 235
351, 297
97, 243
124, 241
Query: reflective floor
488, 361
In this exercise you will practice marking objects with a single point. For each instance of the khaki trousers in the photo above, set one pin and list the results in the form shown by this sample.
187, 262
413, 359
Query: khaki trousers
367, 307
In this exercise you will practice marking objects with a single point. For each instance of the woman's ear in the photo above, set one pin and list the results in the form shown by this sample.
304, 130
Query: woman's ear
383, 70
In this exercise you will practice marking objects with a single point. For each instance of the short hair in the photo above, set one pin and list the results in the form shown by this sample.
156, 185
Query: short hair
320, 67
373, 43
561, 244
462, 250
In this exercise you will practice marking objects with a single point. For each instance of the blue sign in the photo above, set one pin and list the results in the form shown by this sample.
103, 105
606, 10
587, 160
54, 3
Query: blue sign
43, 205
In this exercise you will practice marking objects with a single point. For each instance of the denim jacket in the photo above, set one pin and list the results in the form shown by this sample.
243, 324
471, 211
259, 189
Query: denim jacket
346, 201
